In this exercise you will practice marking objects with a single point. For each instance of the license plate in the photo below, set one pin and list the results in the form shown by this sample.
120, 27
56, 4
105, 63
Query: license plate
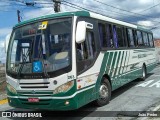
33, 99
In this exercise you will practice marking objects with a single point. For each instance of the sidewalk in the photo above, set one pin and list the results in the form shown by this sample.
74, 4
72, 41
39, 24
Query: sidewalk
3, 94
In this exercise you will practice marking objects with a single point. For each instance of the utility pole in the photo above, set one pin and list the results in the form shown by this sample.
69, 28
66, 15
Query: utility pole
18, 15
57, 5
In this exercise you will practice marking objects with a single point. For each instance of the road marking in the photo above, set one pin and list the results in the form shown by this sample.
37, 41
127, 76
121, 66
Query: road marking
156, 75
150, 83
156, 84
145, 83
3, 101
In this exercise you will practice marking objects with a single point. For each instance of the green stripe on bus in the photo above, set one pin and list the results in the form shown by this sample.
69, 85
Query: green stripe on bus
113, 63
121, 63
106, 62
103, 65
118, 61
124, 62
109, 63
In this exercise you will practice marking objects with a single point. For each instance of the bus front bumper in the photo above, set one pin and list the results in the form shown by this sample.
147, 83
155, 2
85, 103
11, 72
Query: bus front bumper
43, 104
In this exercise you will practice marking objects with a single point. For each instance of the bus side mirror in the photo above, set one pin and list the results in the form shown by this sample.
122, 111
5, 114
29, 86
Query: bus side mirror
81, 32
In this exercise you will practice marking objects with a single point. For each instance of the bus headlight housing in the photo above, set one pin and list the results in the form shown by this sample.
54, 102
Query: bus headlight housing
64, 88
11, 89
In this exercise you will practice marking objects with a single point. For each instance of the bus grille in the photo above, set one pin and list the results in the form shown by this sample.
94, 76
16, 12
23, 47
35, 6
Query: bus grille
34, 85
35, 94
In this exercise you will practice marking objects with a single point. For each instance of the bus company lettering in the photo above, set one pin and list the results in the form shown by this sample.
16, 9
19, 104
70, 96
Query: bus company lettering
142, 55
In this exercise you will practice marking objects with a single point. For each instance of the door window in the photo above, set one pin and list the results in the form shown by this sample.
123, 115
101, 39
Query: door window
86, 52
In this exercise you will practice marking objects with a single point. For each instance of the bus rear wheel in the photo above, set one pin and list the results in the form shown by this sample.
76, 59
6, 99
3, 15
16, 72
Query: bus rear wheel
104, 93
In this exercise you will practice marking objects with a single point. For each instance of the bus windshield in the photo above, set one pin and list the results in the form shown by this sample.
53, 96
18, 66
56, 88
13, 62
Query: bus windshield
40, 47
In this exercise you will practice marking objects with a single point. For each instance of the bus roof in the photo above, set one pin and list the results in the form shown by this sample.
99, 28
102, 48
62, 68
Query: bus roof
84, 14
139, 27
60, 14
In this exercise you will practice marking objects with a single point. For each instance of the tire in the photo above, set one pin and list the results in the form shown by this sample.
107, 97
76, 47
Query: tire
144, 73
104, 93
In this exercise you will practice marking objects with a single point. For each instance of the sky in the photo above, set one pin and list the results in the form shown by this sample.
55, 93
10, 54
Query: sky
142, 12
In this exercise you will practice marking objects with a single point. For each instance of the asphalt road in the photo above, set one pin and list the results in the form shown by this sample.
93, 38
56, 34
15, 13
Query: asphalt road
135, 96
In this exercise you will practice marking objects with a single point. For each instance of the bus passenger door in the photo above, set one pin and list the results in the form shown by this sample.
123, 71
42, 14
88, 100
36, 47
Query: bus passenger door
86, 54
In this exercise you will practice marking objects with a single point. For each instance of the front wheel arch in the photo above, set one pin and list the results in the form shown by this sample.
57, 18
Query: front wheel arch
104, 92
108, 78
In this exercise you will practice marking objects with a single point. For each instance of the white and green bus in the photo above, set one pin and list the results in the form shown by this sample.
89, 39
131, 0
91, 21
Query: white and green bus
66, 60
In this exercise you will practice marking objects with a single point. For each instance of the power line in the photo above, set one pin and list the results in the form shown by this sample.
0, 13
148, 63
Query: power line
139, 15
43, 13
95, 11
71, 5
150, 7
80, 7
83, 8
24, 17
7, 11
135, 14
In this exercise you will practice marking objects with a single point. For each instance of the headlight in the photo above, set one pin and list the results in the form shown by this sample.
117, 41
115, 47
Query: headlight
11, 89
64, 88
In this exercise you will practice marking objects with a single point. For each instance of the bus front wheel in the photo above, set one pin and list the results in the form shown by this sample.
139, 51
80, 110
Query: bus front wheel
104, 93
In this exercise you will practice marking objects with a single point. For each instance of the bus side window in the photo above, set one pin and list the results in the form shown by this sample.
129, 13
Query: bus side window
130, 37
105, 33
102, 34
125, 37
120, 35
145, 39
140, 38
115, 39
109, 32
150, 40
135, 38
86, 52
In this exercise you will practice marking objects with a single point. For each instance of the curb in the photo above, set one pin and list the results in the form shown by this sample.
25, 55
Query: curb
4, 101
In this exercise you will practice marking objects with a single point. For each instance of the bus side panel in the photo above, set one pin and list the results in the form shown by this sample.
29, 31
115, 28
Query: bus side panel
123, 66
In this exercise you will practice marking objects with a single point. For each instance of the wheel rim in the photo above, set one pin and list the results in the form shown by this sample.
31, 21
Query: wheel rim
103, 92
144, 73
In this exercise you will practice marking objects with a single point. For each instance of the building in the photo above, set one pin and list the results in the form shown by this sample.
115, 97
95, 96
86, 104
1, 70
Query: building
157, 47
